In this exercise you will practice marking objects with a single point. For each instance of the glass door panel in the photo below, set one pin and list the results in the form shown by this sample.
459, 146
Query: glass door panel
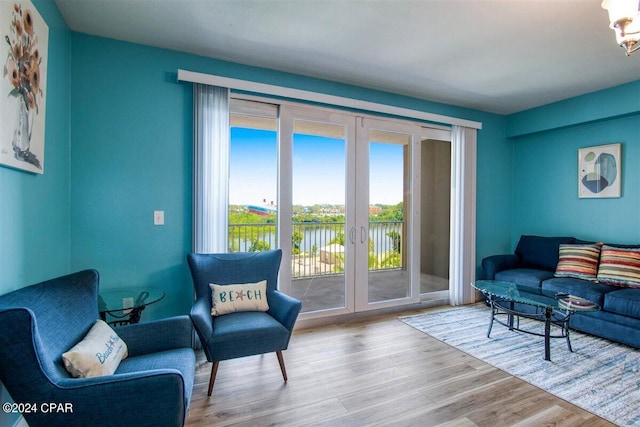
388, 273
387, 197
319, 227
253, 180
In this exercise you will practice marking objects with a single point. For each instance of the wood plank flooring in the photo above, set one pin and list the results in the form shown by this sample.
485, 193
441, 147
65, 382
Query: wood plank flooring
370, 372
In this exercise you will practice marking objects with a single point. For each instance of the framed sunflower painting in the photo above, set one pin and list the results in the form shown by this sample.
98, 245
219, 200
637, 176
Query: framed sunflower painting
23, 86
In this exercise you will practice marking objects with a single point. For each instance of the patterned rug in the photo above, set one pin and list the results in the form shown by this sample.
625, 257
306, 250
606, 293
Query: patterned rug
600, 376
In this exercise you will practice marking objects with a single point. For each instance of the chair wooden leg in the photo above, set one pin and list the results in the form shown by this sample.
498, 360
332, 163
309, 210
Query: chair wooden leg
212, 379
281, 361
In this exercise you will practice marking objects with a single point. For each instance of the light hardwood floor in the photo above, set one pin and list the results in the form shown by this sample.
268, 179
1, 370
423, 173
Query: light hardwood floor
377, 371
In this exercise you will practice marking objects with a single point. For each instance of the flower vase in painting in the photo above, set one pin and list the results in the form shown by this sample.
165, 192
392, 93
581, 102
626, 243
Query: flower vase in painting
22, 133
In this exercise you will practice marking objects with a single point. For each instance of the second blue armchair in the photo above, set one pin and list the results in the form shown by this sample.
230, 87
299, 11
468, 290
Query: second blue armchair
244, 333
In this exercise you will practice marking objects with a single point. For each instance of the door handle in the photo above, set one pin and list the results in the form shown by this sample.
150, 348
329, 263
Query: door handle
363, 234
352, 235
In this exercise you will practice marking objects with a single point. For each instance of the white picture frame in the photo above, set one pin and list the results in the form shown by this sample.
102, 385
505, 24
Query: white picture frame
599, 171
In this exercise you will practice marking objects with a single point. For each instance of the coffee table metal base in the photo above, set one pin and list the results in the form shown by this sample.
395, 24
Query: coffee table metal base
551, 317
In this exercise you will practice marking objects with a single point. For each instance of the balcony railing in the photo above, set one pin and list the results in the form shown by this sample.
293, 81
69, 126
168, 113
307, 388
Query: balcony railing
318, 247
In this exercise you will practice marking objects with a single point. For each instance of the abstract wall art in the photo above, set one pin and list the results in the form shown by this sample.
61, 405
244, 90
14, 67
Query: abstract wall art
23, 86
599, 171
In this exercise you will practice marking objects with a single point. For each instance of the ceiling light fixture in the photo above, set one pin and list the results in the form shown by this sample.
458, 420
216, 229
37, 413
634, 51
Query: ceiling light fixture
624, 16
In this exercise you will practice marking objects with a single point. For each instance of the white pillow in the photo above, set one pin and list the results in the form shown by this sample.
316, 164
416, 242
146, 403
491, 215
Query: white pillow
239, 297
99, 353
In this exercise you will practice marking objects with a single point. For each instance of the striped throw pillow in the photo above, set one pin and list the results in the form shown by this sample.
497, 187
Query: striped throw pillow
579, 261
620, 266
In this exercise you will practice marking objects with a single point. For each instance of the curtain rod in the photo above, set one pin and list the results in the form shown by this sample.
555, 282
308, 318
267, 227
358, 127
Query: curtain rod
268, 89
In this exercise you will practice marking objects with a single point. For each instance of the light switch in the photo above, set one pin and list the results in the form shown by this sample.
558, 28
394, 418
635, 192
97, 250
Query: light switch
158, 217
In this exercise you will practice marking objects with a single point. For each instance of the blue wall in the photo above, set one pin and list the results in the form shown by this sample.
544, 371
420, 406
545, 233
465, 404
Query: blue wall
34, 209
546, 166
131, 155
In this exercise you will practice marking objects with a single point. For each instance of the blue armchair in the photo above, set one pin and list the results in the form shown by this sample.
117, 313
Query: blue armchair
246, 333
151, 387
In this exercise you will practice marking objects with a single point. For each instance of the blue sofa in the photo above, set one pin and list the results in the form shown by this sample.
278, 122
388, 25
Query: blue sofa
151, 387
534, 263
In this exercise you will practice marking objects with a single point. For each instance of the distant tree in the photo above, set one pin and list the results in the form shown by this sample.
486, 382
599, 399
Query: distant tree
396, 241
389, 213
258, 246
391, 260
296, 239
338, 239
261, 226
233, 246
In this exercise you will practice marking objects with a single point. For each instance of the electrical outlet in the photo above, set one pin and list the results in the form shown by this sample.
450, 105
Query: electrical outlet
158, 217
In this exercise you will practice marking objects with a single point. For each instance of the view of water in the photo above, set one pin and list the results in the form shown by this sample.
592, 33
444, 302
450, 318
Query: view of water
316, 236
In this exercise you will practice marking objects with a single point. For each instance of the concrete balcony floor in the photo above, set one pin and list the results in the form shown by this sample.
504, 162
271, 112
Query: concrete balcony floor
322, 292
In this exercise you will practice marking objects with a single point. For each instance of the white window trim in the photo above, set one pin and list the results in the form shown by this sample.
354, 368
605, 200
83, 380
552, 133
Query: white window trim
268, 89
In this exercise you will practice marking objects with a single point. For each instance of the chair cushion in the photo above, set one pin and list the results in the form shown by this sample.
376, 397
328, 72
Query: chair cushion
238, 297
245, 334
579, 261
180, 359
99, 353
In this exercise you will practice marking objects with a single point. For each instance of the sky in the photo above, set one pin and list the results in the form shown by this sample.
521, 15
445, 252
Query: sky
318, 169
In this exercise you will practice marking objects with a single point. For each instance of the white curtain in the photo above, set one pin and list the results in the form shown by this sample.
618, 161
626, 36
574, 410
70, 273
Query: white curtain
210, 168
462, 265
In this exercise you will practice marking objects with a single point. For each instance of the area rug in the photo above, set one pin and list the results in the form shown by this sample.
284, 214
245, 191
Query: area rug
600, 376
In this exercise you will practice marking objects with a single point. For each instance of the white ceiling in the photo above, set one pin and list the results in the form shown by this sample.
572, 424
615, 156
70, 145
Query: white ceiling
501, 56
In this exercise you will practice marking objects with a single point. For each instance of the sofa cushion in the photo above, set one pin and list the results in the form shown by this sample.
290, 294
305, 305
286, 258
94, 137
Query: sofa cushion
592, 291
524, 276
620, 266
623, 301
579, 261
540, 252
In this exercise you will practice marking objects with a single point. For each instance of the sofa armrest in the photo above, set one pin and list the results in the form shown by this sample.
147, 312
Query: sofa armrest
284, 308
496, 263
201, 317
159, 335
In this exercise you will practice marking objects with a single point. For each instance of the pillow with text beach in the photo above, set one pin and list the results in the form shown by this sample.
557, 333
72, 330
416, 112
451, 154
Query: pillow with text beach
227, 299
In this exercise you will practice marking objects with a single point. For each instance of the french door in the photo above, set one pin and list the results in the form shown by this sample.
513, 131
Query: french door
368, 212
386, 221
346, 211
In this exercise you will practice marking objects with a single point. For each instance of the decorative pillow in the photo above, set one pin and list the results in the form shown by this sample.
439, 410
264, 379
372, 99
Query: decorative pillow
99, 353
579, 261
620, 266
240, 297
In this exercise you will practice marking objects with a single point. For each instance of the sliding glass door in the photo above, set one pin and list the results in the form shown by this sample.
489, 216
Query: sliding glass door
339, 194
385, 273
321, 214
